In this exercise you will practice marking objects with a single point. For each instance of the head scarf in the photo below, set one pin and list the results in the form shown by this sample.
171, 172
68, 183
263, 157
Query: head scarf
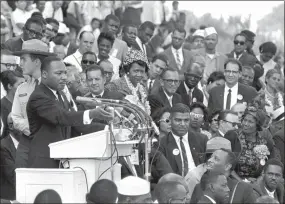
134, 56
258, 114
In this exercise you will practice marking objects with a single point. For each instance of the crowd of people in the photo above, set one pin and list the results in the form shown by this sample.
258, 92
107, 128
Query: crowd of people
220, 115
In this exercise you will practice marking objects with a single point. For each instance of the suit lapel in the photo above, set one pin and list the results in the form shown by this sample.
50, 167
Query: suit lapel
183, 93
163, 97
221, 96
192, 143
172, 145
172, 58
12, 147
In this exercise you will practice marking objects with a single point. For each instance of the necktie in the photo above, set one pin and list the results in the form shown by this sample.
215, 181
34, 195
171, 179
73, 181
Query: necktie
178, 60
228, 105
190, 96
59, 97
184, 156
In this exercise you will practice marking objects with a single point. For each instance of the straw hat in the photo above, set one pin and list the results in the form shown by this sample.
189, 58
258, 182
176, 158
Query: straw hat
34, 46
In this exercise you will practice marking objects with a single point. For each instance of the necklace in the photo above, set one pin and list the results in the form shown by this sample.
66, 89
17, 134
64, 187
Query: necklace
139, 95
273, 101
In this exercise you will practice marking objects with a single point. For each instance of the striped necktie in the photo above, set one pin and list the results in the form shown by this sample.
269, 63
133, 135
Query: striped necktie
178, 60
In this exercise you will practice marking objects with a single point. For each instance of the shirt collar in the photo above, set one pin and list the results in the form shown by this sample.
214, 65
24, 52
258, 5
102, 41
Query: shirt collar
168, 97
53, 91
77, 54
271, 194
174, 50
101, 94
187, 88
221, 133
211, 199
177, 138
15, 141
233, 89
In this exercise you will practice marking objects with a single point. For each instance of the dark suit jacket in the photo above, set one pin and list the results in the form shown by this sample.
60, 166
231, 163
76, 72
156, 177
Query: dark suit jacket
71, 49
243, 194
49, 122
14, 44
159, 99
245, 59
168, 144
8, 155
6, 107
155, 87
279, 141
197, 93
259, 190
188, 59
204, 199
216, 96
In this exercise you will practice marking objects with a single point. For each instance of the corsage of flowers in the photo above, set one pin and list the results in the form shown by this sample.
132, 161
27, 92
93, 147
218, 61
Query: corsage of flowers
261, 151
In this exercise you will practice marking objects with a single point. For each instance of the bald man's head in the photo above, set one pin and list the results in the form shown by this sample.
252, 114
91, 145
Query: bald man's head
171, 177
239, 109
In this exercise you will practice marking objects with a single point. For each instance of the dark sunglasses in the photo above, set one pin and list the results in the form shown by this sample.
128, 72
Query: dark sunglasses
239, 42
164, 120
87, 61
34, 33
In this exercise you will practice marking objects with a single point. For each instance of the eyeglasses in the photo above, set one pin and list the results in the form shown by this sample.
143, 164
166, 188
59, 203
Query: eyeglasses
177, 200
87, 62
34, 33
196, 115
231, 72
164, 120
233, 123
170, 81
10, 66
239, 42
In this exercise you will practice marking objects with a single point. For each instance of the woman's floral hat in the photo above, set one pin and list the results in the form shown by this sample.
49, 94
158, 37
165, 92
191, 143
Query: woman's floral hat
135, 55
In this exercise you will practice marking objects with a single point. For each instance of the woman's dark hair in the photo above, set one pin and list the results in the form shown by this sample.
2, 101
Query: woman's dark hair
127, 68
215, 112
9, 77
158, 113
202, 107
48, 196
107, 36
258, 115
215, 76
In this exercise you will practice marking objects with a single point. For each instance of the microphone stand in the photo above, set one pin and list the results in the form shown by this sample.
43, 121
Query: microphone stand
111, 128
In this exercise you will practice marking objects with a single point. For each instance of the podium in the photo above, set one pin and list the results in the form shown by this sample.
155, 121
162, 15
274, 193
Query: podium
92, 153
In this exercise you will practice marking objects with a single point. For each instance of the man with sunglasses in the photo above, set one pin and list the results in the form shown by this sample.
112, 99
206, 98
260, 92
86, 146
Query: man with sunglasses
249, 41
232, 92
165, 96
88, 58
227, 120
188, 90
86, 41
239, 53
33, 29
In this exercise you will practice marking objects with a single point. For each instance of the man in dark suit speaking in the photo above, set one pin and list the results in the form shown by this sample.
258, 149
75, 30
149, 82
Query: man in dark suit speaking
50, 116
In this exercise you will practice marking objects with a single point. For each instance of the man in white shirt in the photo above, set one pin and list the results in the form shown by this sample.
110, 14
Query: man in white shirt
181, 148
19, 17
53, 10
226, 96
85, 44
227, 120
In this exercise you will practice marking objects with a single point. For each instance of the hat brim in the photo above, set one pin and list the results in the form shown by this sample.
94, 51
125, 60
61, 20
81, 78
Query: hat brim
19, 53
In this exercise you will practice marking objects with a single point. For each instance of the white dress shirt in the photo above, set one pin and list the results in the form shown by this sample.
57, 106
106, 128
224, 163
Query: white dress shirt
142, 46
169, 98
19, 16
237, 58
221, 133
180, 53
211, 199
86, 118
191, 164
49, 12
234, 94
271, 194
267, 66
74, 59
15, 142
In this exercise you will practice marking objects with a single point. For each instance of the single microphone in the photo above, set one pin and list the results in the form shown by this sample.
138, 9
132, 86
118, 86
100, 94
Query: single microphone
81, 99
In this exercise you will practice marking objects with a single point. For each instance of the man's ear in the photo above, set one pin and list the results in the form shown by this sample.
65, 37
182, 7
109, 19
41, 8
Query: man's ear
44, 74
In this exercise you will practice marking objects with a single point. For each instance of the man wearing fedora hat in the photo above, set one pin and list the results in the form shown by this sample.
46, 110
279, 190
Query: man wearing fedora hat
33, 29
32, 53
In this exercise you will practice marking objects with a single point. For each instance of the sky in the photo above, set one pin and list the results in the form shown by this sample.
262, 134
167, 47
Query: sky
257, 9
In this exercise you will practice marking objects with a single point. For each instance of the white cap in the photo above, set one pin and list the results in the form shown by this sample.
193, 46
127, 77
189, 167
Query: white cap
133, 186
199, 33
63, 29
278, 112
210, 31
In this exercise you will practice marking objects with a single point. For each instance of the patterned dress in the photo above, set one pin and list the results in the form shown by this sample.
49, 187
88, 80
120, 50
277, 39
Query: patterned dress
248, 164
